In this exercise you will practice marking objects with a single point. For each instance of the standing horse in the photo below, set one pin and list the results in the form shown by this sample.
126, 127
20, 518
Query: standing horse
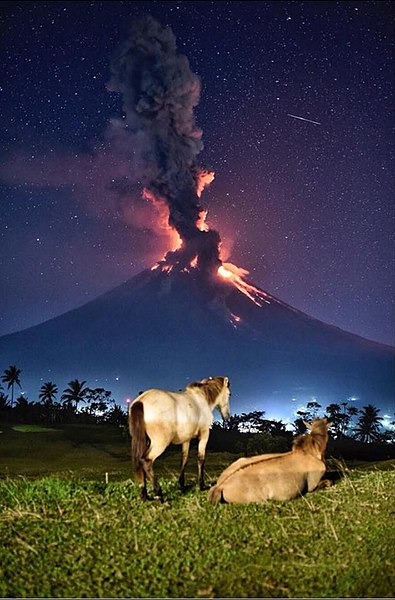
276, 476
158, 418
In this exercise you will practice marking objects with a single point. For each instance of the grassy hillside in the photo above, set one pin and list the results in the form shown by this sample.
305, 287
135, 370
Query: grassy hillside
66, 533
87, 450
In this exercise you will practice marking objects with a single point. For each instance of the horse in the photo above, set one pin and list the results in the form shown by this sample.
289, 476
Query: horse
158, 418
281, 476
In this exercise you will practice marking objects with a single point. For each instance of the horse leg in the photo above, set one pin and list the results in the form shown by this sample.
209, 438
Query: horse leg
201, 458
184, 460
314, 481
149, 472
142, 481
144, 493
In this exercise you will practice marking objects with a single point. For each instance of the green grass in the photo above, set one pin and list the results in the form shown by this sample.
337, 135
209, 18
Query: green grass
32, 429
68, 534
89, 450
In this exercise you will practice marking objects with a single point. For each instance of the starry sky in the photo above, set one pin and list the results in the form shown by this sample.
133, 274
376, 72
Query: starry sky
304, 204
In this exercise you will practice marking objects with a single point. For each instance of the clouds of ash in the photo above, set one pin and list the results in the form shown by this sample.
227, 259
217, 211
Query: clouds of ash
154, 146
159, 94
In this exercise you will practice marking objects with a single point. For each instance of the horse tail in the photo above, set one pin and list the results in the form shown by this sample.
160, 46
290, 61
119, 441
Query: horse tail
139, 436
215, 495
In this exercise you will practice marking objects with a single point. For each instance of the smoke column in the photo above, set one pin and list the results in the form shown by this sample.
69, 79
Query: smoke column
159, 94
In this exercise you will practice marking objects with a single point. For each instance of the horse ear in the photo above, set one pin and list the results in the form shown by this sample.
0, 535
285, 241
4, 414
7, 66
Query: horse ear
308, 425
329, 424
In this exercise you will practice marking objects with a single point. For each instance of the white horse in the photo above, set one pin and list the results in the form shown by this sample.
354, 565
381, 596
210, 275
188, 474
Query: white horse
158, 418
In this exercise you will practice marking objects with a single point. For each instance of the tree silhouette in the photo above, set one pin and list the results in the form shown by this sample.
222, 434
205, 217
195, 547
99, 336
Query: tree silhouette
306, 414
352, 411
47, 395
338, 418
277, 428
4, 404
116, 416
369, 424
313, 408
26, 410
232, 424
11, 377
340, 415
299, 423
98, 401
48, 392
74, 393
3, 395
252, 422
388, 435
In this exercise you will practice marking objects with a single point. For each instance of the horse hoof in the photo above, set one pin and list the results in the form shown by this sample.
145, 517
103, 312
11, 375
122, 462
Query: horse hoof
186, 488
326, 483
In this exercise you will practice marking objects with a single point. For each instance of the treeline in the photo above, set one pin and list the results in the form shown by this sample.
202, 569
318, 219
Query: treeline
77, 403
354, 434
364, 424
249, 433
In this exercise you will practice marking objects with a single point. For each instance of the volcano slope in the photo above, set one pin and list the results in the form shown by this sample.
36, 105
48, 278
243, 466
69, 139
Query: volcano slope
167, 328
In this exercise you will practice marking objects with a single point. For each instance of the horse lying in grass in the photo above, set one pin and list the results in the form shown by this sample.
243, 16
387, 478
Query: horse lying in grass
158, 418
276, 476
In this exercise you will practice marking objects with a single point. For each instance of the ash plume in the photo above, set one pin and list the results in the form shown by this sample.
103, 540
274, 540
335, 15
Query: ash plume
159, 94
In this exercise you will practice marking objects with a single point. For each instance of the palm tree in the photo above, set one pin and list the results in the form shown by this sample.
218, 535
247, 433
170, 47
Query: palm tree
11, 377
48, 392
369, 424
75, 392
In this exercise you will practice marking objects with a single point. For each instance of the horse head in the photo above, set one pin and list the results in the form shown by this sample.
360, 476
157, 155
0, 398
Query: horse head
218, 389
319, 426
317, 438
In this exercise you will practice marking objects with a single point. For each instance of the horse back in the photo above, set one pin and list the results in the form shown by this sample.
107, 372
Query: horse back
242, 463
280, 477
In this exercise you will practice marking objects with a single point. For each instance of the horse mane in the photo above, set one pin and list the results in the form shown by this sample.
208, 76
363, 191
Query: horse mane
314, 441
211, 388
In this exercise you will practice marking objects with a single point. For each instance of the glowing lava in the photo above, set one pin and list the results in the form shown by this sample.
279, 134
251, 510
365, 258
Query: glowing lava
235, 276
228, 271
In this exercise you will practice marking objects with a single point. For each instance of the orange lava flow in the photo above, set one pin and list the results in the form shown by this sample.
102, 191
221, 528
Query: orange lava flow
235, 275
228, 271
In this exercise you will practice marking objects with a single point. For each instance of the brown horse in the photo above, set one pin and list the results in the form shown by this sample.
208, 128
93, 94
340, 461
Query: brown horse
158, 418
276, 476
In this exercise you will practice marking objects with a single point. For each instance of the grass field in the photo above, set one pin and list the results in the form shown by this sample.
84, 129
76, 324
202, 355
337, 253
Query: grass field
66, 533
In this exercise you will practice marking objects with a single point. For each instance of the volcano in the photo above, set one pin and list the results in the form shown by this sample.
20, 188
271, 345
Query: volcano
191, 315
166, 327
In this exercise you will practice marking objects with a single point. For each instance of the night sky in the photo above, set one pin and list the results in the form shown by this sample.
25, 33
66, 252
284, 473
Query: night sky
305, 205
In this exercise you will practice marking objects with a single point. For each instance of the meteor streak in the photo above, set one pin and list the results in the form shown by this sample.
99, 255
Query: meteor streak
303, 119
